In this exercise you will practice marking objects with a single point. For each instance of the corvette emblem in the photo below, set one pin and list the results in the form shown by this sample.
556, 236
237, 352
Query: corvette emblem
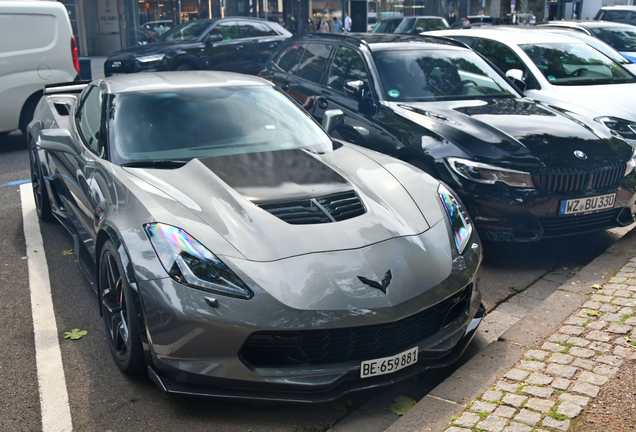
579, 154
386, 280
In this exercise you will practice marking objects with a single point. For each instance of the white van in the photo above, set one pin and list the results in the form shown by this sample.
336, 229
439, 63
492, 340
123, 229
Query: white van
37, 48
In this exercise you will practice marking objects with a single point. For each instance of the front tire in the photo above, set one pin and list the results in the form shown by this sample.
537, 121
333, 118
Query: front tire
120, 319
40, 193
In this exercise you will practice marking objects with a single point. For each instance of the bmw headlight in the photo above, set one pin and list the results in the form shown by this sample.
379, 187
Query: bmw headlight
151, 58
625, 128
489, 174
460, 223
188, 262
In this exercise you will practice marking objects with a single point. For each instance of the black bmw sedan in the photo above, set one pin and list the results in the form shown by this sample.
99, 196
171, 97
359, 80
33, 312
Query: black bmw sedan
240, 44
524, 171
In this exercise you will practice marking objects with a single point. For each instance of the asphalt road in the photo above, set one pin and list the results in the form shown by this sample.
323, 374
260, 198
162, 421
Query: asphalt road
104, 399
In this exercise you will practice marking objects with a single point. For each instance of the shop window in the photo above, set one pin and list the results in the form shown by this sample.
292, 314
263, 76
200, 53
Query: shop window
289, 58
348, 65
228, 29
313, 64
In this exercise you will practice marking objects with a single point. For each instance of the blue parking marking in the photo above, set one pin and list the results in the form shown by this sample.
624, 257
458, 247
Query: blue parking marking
19, 182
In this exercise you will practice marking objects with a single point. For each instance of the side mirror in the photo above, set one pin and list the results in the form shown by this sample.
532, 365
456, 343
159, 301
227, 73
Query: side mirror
58, 140
419, 29
331, 119
354, 89
215, 37
516, 76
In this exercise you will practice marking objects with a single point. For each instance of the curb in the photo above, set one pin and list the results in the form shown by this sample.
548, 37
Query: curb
448, 399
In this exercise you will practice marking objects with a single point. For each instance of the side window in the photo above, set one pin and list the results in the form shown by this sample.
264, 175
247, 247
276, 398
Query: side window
268, 30
251, 30
313, 64
347, 65
228, 29
89, 119
502, 56
465, 39
615, 15
289, 58
632, 20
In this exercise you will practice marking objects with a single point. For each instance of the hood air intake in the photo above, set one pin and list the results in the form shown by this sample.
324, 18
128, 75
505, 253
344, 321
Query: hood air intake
326, 209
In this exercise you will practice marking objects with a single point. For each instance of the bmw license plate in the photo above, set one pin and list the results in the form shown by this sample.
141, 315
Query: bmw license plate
388, 365
586, 205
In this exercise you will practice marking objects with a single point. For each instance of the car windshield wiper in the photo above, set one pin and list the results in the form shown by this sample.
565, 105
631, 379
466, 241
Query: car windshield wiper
159, 163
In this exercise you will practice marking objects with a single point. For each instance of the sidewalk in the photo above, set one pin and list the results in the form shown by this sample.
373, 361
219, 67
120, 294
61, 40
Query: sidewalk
543, 373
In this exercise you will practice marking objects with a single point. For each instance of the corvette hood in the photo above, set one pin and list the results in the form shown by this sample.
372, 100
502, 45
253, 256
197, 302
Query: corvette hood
235, 195
514, 132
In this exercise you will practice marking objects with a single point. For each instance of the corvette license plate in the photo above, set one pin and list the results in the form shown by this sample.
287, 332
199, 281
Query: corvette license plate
388, 365
585, 205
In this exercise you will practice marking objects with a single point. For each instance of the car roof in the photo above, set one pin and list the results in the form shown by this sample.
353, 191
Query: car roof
619, 7
381, 41
510, 35
128, 83
589, 24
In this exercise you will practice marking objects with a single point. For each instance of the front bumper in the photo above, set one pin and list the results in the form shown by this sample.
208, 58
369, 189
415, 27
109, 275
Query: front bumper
504, 213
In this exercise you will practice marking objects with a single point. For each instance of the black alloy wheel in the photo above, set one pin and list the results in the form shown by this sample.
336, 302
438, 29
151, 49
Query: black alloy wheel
40, 194
120, 319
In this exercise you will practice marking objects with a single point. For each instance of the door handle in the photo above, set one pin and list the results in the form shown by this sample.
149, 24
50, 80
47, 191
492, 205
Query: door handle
284, 85
322, 103
238, 47
272, 45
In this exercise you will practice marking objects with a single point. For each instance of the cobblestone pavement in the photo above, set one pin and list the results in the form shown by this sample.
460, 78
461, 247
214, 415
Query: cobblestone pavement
558, 378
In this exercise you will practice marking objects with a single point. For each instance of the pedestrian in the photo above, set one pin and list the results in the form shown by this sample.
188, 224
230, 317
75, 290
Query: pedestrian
337, 25
347, 22
311, 27
465, 23
323, 27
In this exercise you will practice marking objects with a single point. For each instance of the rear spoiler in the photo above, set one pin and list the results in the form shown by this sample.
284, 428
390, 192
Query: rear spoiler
72, 87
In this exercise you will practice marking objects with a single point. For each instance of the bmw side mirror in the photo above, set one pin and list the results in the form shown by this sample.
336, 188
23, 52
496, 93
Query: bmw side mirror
58, 140
331, 119
354, 89
213, 38
516, 76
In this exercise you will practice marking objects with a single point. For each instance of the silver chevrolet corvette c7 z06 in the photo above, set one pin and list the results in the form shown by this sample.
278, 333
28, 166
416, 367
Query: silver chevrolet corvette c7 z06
238, 251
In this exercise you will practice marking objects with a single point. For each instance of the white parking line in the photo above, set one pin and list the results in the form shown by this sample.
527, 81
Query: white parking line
56, 414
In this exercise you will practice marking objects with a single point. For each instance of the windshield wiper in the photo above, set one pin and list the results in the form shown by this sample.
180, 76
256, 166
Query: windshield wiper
159, 163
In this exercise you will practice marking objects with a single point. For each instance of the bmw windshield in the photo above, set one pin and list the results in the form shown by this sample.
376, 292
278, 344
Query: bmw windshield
182, 124
575, 64
433, 75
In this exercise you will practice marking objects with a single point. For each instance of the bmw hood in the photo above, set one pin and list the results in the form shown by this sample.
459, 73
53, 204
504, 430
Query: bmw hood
514, 132
275, 205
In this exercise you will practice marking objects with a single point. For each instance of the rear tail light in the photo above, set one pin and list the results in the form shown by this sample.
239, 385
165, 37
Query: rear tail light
75, 54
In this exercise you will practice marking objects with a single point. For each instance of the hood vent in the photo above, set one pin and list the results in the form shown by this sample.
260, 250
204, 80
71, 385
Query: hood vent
330, 208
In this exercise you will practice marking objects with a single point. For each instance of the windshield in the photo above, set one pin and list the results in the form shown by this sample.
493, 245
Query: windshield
575, 64
431, 75
386, 26
618, 38
185, 32
183, 124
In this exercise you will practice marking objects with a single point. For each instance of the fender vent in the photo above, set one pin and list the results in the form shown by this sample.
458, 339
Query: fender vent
330, 208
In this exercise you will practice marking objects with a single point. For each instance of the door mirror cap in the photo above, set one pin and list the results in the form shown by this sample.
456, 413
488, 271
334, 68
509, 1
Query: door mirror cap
516, 76
331, 119
58, 140
354, 89
215, 37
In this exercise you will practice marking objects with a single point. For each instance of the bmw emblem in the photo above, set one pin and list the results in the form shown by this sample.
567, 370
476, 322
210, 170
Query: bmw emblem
579, 154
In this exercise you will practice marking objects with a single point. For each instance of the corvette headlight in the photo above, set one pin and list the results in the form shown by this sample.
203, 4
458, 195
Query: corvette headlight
460, 223
151, 58
188, 262
489, 174
631, 164
625, 128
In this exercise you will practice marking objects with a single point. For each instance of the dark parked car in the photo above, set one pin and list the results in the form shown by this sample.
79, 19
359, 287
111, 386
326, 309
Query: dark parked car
410, 25
240, 44
621, 14
621, 37
524, 171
